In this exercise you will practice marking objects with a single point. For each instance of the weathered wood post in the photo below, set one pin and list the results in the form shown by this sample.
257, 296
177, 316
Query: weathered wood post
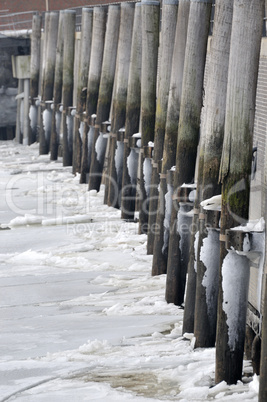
235, 177
167, 37
212, 129
160, 251
263, 360
26, 104
114, 179
188, 136
104, 96
35, 73
130, 156
150, 44
19, 112
67, 84
57, 92
84, 56
95, 68
48, 82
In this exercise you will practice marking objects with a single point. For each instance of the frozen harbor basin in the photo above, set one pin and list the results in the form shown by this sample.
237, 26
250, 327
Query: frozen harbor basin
82, 319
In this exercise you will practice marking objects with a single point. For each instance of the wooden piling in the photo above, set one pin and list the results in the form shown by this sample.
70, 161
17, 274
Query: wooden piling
35, 74
95, 68
167, 38
48, 80
67, 83
160, 250
114, 178
44, 37
263, 360
150, 43
19, 134
26, 104
132, 120
57, 91
188, 136
212, 129
84, 56
235, 177
104, 97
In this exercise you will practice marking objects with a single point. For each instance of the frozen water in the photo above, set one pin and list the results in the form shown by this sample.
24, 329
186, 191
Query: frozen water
132, 165
81, 316
100, 147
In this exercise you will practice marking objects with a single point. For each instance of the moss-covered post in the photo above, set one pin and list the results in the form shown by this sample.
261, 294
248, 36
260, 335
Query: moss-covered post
235, 177
150, 44
84, 56
35, 74
98, 41
67, 84
114, 179
48, 83
57, 91
160, 251
167, 37
188, 136
212, 128
130, 156
104, 96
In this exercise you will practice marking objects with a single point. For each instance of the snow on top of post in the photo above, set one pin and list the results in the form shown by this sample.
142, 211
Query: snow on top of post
213, 203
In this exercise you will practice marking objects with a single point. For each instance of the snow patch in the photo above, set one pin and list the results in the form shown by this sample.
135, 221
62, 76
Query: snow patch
119, 158
213, 203
100, 147
210, 256
167, 217
147, 169
235, 274
132, 165
81, 129
195, 250
33, 115
47, 123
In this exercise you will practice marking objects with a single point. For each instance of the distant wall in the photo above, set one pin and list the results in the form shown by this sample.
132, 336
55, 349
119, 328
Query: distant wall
16, 6
8, 106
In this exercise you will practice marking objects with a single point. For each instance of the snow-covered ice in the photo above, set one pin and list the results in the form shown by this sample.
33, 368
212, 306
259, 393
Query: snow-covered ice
82, 319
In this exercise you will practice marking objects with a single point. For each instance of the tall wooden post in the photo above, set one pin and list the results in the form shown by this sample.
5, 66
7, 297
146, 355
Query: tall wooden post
167, 37
212, 129
95, 68
26, 121
188, 136
114, 179
263, 360
85, 53
235, 177
48, 82
35, 74
160, 251
19, 112
150, 44
104, 96
130, 156
57, 92
67, 84
44, 50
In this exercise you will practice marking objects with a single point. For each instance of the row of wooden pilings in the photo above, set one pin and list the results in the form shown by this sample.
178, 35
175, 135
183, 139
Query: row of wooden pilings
122, 101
